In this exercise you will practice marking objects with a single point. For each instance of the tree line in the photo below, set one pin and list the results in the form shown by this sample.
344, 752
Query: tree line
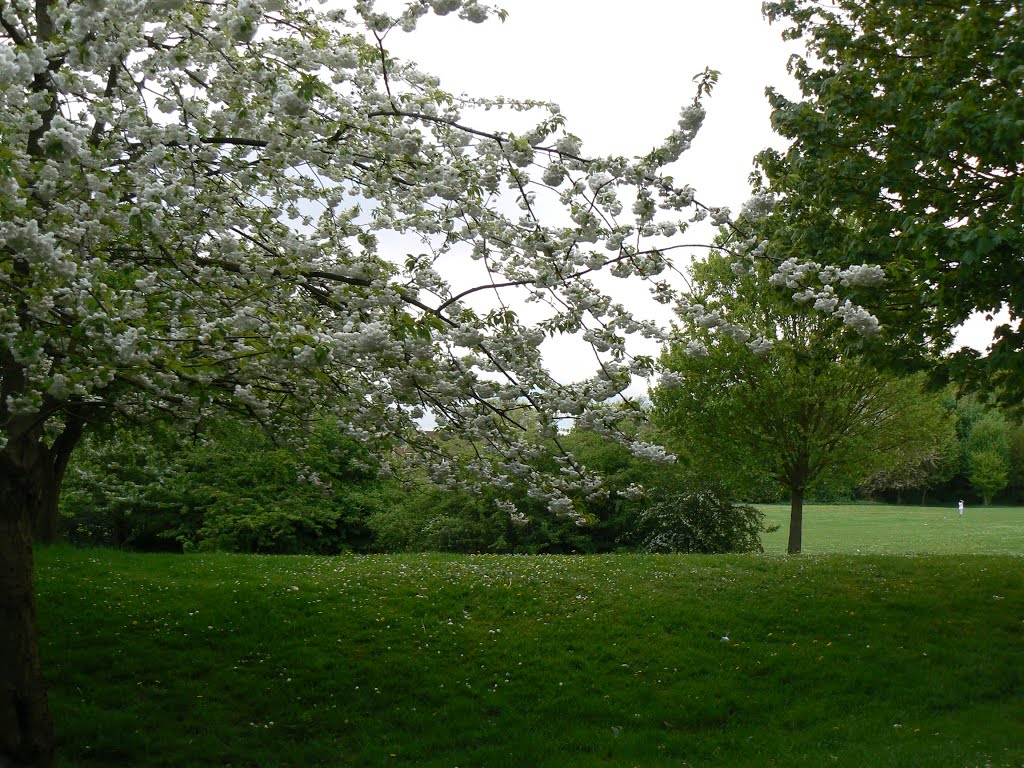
235, 488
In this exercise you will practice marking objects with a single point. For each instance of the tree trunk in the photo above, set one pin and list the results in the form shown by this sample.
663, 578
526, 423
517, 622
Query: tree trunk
26, 727
53, 466
796, 520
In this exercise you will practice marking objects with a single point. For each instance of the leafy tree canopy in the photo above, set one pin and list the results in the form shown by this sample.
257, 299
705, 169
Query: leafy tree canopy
797, 408
906, 154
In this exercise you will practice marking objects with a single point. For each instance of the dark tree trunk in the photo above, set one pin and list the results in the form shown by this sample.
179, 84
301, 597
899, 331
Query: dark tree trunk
796, 521
26, 728
54, 465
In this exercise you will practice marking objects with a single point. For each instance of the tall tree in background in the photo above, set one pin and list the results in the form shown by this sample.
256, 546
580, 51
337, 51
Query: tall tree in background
802, 410
906, 153
916, 469
987, 455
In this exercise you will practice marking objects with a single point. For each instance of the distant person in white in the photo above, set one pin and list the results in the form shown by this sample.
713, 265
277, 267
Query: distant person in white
960, 506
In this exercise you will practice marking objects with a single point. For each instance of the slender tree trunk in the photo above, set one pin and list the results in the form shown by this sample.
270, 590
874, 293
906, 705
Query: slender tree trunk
796, 520
26, 727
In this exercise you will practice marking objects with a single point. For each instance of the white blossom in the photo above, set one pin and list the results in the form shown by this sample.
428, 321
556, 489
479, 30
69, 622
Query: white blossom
633, 492
720, 216
60, 388
599, 181
553, 174
758, 206
868, 275
696, 349
691, 117
826, 303
569, 145
857, 318
735, 332
444, 7
474, 12
289, 102
651, 452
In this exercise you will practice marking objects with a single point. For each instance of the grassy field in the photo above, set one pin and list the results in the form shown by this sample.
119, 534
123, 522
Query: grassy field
820, 660
888, 529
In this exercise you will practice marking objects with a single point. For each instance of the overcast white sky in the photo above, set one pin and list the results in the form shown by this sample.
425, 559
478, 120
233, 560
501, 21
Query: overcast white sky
621, 73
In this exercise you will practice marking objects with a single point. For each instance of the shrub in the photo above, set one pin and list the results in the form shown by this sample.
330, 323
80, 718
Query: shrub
697, 520
230, 488
122, 490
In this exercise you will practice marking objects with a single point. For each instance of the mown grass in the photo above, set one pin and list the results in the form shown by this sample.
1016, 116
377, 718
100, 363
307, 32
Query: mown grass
221, 660
892, 529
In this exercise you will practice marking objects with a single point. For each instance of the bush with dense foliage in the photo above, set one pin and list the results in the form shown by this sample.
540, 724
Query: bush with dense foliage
693, 517
123, 489
231, 488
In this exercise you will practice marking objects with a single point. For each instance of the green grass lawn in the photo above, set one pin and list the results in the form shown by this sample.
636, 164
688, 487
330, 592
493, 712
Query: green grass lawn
820, 660
890, 529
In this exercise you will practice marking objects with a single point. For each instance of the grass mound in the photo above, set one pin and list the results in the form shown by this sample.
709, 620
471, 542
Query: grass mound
220, 660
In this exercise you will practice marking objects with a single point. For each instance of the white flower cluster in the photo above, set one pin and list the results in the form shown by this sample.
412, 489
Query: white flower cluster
868, 275
736, 333
18, 67
651, 452
633, 492
599, 181
857, 318
669, 379
243, 21
758, 206
470, 10
793, 272
518, 518
287, 101
696, 349
803, 275
691, 117
720, 216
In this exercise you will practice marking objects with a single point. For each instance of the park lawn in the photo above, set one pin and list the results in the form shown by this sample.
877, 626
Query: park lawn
900, 529
443, 661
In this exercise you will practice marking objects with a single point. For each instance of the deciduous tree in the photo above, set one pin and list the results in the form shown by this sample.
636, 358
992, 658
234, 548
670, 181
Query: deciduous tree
906, 153
759, 387
922, 468
252, 205
988, 473
987, 455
